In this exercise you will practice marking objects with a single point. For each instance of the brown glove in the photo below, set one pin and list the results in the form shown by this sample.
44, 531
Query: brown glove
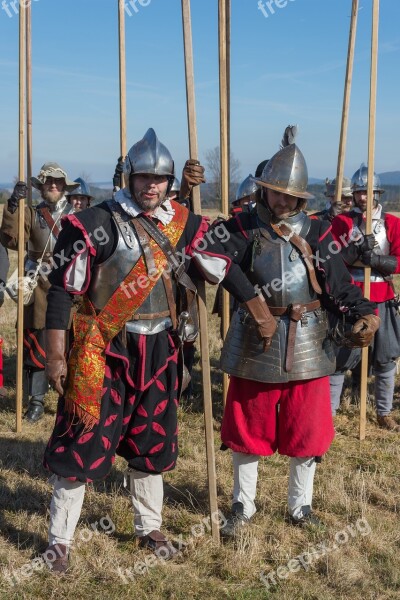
56, 365
192, 175
363, 331
266, 323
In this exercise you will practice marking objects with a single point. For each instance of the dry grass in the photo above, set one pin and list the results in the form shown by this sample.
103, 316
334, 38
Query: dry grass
355, 480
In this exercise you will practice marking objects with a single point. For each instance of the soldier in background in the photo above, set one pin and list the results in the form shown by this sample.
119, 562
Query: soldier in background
42, 224
381, 251
333, 208
80, 197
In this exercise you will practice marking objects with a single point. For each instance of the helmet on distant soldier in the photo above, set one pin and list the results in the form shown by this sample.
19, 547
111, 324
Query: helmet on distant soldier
247, 193
359, 183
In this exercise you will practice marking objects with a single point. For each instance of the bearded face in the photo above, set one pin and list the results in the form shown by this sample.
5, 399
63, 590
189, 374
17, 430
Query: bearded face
148, 190
53, 189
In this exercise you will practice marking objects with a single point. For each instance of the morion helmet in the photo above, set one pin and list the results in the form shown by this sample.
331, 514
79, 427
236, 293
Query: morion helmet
286, 171
359, 181
83, 189
331, 187
248, 187
149, 155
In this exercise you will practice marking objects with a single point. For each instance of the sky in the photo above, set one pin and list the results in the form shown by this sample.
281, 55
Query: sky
288, 66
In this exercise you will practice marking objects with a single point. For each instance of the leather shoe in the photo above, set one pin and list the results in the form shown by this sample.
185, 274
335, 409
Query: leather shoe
158, 543
235, 521
58, 560
307, 518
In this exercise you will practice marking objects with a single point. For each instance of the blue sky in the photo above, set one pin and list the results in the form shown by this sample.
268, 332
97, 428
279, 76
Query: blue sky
287, 67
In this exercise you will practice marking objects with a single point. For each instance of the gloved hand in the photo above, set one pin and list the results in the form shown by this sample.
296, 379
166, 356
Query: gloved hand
266, 323
192, 175
119, 169
2, 295
366, 243
363, 331
56, 365
20, 191
384, 264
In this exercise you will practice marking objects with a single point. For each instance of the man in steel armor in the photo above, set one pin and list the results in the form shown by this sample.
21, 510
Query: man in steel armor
381, 251
80, 197
119, 390
279, 400
333, 208
42, 224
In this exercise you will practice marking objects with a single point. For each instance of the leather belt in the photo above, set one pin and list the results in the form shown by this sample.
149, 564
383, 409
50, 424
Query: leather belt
148, 316
278, 311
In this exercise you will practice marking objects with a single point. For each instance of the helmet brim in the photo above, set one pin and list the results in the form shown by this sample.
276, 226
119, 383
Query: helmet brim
277, 188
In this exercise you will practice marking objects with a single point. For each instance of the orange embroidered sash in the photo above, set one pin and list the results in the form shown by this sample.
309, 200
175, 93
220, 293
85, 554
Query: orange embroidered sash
92, 333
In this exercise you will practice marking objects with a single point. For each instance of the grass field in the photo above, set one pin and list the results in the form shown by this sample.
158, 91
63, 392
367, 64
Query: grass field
355, 555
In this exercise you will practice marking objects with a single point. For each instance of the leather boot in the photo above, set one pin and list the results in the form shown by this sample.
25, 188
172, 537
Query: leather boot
35, 410
387, 422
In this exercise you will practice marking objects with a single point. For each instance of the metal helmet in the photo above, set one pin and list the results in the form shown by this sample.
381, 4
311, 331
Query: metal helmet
331, 187
176, 186
149, 155
286, 172
83, 189
359, 181
246, 188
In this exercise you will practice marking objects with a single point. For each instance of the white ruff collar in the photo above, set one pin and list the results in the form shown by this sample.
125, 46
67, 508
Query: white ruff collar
164, 213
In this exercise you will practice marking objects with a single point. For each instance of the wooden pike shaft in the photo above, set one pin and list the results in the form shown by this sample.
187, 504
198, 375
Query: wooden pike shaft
201, 288
370, 194
346, 101
122, 77
21, 215
224, 15
29, 100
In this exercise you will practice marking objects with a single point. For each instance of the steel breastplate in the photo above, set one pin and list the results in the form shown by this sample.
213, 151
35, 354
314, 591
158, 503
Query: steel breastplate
109, 275
40, 232
278, 268
382, 248
282, 275
379, 231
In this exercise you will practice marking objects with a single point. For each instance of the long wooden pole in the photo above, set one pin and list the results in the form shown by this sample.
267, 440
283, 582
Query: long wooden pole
224, 117
122, 78
29, 100
201, 288
21, 215
346, 102
370, 199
